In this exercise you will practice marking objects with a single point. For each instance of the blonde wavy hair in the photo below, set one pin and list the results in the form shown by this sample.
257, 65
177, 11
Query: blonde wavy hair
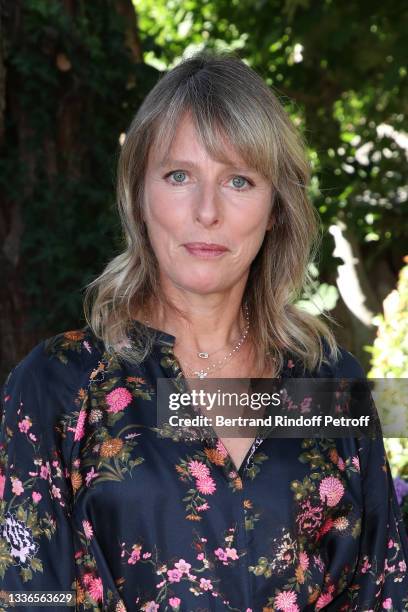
225, 97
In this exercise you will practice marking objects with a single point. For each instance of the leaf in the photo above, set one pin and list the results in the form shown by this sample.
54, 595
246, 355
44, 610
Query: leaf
26, 574
21, 514
36, 564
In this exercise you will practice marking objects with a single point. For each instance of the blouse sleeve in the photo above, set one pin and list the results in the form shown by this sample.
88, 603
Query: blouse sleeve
382, 573
36, 544
380, 580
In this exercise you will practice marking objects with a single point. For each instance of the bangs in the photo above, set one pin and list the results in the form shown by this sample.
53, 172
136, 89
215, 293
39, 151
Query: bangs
218, 129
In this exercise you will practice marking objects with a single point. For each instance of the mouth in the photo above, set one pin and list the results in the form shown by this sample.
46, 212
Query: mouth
205, 250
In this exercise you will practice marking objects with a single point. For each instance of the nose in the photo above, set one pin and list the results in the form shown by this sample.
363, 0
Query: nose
208, 206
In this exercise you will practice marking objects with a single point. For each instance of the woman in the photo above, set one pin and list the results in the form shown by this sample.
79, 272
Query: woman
219, 231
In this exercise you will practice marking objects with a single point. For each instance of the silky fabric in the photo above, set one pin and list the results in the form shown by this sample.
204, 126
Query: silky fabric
96, 500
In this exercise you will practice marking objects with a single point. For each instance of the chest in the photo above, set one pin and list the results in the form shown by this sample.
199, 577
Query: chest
237, 448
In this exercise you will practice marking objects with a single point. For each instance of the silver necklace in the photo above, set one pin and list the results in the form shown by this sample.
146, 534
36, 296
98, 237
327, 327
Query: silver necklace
203, 372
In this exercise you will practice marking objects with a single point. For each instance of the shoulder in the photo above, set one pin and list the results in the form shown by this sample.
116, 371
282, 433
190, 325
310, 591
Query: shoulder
63, 359
348, 366
343, 365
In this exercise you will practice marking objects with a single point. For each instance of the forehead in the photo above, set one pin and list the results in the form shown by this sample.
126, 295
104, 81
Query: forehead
183, 145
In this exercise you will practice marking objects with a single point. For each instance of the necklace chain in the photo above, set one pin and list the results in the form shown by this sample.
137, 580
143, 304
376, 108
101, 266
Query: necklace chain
203, 372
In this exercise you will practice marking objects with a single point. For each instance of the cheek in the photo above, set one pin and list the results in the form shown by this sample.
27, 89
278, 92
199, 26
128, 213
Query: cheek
162, 211
249, 235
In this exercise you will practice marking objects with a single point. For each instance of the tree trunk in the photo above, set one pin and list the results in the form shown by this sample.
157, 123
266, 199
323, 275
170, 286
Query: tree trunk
62, 150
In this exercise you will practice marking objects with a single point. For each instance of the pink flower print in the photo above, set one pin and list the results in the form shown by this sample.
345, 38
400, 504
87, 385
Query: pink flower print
356, 462
32, 437
303, 560
17, 487
44, 472
221, 449
319, 563
305, 405
25, 424
221, 554
36, 497
323, 600
206, 486
56, 492
183, 566
285, 600
205, 584
90, 476
387, 603
290, 363
198, 469
233, 474
341, 523
87, 579
87, 346
174, 602
150, 606
232, 553
2, 485
310, 517
331, 490
341, 465
174, 575
390, 543
88, 531
95, 589
134, 558
200, 556
204, 506
402, 566
146, 555
79, 429
118, 399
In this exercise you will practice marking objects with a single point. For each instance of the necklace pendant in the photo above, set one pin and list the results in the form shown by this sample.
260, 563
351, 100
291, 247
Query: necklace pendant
203, 355
201, 374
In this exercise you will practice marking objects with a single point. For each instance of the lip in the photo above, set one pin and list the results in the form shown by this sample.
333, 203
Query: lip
204, 249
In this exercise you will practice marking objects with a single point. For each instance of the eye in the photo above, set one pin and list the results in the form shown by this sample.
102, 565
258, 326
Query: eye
178, 176
237, 182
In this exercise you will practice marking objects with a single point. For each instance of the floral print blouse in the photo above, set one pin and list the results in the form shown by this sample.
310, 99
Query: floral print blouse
95, 499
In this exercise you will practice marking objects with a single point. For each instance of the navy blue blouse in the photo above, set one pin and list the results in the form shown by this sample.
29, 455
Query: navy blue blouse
94, 501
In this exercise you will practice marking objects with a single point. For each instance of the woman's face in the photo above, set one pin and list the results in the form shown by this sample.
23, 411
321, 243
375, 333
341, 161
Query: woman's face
190, 199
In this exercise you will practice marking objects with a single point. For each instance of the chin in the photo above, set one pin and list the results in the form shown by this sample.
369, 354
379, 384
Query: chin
202, 285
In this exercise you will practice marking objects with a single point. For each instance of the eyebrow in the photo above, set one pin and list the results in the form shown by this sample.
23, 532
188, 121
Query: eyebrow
189, 164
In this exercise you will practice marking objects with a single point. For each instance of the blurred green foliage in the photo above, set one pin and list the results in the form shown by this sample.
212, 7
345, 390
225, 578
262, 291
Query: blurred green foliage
390, 349
390, 360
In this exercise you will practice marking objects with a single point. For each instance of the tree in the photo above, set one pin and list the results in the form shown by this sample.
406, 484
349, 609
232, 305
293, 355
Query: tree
71, 78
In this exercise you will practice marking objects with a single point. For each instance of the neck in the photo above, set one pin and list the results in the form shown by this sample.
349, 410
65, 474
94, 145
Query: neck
202, 329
